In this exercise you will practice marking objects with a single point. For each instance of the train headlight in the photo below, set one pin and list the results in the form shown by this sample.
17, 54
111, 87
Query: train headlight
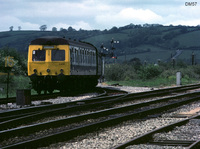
35, 70
48, 70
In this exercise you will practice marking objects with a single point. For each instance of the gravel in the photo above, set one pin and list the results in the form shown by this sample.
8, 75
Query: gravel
75, 98
110, 137
49, 101
65, 99
129, 89
107, 138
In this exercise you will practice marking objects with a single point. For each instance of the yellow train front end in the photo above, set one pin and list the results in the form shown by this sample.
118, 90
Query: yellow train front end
48, 62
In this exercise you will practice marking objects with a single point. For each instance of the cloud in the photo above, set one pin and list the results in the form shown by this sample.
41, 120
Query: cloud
127, 16
15, 22
82, 25
94, 14
184, 15
193, 22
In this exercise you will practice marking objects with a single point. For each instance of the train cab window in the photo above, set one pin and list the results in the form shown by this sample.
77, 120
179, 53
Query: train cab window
58, 55
38, 55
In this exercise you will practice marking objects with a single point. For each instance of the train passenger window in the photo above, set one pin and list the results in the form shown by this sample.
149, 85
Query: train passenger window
76, 56
82, 56
38, 55
87, 60
90, 57
58, 55
93, 58
72, 55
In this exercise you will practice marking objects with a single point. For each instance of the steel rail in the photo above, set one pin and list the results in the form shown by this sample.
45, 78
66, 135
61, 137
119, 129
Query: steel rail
194, 145
53, 95
137, 95
148, 136
11, 113
46, 96
79, 118
19, 113
68, 134
107, 102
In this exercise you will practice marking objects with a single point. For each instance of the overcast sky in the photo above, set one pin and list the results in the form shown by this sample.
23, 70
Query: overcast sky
96, 14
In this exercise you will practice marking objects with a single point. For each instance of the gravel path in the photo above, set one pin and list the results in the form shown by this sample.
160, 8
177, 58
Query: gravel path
129, 89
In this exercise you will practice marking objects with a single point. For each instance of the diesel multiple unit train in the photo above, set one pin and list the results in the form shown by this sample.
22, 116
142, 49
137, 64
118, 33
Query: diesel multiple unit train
57, 63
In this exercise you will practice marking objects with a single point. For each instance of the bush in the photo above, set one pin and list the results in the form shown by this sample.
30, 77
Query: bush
114, 72
162, 74
168, 73
149, 72
130, 75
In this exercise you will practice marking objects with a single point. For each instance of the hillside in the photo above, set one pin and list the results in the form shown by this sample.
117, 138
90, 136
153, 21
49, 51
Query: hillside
148, 43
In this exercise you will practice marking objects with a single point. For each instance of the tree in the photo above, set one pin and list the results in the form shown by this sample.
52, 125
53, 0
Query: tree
70, 29
43, 27
54, 29
183, 29
11, 28
20, 64
136, 63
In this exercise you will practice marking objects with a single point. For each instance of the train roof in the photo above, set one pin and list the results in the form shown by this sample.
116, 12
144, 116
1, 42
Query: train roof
49, 40
54, 40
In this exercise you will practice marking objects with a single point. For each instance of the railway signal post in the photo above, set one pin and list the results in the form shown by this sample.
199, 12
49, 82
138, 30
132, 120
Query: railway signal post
9, 63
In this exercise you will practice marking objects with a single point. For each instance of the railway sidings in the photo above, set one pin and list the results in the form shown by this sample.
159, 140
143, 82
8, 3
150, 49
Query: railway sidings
102, 122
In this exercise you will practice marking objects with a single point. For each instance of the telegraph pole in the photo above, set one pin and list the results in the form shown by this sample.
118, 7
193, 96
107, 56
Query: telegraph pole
9, 63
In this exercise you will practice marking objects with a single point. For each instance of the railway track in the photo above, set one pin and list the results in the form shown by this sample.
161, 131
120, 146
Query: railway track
108, 91
159, 137
53, 95
37, 110
33, 97
82, 123
99, 101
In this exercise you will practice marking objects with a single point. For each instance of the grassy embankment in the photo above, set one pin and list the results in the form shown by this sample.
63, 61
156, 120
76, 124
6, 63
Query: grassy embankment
136, 74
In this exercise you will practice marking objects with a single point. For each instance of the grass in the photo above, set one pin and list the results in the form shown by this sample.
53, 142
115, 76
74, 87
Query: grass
160, 50
16, 82
156, 82
188, 39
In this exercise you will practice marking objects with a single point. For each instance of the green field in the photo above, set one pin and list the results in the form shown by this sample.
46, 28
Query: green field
160, 41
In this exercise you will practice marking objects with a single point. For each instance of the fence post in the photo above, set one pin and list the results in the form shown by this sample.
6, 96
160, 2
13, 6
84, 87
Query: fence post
178, 78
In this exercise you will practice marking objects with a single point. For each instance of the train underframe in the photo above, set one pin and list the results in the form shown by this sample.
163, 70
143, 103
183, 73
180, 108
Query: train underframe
63, 83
